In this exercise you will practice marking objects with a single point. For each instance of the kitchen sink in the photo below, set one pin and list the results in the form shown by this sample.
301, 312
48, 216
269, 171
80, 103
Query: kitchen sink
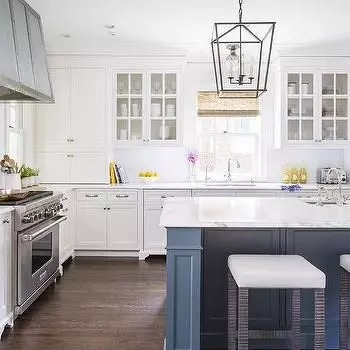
230, 184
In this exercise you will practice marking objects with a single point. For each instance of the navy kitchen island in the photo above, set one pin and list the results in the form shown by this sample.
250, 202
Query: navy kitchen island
203, 232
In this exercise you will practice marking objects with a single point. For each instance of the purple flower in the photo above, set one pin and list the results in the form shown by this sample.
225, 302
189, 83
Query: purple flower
192, 157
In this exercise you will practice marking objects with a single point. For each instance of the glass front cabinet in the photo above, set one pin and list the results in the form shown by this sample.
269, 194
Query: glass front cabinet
146, 107
316, 108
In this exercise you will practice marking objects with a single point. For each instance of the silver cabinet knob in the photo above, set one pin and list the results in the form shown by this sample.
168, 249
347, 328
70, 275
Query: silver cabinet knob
6, 221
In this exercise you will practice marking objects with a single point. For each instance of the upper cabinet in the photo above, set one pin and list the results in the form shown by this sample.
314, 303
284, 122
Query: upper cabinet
78, 117
145, 107
313, 109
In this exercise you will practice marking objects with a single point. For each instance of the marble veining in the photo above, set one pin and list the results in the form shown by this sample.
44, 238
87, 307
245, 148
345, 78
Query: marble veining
252, 212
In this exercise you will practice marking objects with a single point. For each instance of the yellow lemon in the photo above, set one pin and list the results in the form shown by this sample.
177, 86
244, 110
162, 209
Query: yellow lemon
141, 174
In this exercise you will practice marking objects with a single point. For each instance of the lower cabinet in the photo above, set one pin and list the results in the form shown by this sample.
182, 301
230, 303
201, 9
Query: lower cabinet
6, 280
67, 228
107, 220
154, 236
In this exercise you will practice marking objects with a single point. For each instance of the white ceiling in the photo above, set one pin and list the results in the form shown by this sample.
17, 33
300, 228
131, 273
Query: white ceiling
182, 26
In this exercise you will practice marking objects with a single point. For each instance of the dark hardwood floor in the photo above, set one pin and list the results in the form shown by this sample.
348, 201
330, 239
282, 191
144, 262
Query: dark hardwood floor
99, 304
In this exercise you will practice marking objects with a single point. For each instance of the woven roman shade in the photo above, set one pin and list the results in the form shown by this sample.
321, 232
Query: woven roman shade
210, 105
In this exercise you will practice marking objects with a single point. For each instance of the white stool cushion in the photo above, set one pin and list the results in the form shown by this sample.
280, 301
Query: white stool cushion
275, 271
345, 262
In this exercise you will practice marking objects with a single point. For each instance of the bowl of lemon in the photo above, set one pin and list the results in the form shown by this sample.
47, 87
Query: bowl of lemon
148, 176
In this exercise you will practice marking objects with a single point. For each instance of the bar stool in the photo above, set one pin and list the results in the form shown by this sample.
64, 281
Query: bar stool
344, 301
272, 272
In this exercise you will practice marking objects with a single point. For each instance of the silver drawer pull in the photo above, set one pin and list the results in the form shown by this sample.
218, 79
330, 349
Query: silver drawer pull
91, 195
164, 196
122, 195
6, 221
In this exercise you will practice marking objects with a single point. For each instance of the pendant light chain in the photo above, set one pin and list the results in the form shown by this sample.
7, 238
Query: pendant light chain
240, 10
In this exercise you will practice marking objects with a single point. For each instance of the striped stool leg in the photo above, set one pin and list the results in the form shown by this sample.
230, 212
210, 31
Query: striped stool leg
232, 313
344, 309
319, 341
296, 319
243, 332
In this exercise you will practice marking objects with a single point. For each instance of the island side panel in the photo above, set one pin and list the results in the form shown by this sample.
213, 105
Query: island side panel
322, 247
184, 247
266, 307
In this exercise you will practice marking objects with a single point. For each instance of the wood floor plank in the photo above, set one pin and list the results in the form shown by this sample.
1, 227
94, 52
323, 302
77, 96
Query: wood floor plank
99, 304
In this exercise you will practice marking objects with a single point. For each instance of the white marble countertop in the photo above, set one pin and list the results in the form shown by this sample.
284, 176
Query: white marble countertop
252, 212
178, 186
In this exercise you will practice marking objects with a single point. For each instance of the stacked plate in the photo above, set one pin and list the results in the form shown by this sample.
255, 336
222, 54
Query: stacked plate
170, 110
156, 109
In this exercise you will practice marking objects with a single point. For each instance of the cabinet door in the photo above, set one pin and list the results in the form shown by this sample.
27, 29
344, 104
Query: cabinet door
91, 226
122, 232
5, 270
8, 61
52, 120
37, 45
300, 108
89, 168
25, 66
164, 106
88, 107
67, 228
54, 167
154, 235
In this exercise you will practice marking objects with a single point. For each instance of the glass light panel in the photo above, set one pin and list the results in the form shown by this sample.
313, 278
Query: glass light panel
293, 107
293, 130
328, 107
157, 130
342, 108
328, 130
293, 84
307, 107
170, 130
135, 129
157, 83
327, 84
307, 130
170, 83
123, 84
136, 84
136, 107
122, 130
342, 130
341, 84
307, 84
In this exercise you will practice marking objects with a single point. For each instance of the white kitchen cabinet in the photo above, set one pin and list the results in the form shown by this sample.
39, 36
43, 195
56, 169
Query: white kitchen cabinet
91, 226
214, 193
74, 167
52, 120
77, 119
6, 276
53, 167
312, 103
67, 228
107, 220
146, 107
88, 167
88, 108
154, 236
122, 231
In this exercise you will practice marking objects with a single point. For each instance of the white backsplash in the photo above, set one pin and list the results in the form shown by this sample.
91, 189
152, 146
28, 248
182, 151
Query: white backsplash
169, 163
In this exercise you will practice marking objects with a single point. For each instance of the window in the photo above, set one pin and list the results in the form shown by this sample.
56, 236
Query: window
221, 138
15, 127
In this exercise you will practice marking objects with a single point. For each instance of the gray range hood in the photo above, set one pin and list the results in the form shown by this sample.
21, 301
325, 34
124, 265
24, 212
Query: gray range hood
24, 74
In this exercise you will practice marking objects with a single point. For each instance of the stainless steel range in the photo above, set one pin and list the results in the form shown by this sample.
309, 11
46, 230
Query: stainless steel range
37, 219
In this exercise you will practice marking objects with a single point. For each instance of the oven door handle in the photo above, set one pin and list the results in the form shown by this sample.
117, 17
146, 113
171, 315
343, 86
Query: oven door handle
28, 238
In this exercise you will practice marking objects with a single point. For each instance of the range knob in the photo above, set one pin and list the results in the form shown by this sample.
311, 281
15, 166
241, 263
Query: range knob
36, 216
61, 206
27, 219
40, 214
48, 213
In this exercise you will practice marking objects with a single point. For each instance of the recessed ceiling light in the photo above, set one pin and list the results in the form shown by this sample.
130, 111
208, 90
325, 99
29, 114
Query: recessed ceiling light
109, 26
67, 36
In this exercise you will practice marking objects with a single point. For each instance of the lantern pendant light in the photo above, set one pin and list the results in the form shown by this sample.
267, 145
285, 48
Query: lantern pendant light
241, 56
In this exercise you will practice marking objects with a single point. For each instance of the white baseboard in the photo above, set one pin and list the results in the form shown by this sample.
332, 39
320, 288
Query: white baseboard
107, 253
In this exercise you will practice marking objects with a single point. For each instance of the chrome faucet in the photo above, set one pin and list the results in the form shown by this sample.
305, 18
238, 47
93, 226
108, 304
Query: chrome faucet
340, 199
236, 164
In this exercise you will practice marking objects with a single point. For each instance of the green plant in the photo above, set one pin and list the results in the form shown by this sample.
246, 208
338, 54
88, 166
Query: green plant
35, 172
27, 172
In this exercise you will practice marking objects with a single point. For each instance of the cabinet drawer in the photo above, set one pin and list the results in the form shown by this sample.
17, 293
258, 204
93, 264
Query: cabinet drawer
122, 196
159, 195
91, 196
